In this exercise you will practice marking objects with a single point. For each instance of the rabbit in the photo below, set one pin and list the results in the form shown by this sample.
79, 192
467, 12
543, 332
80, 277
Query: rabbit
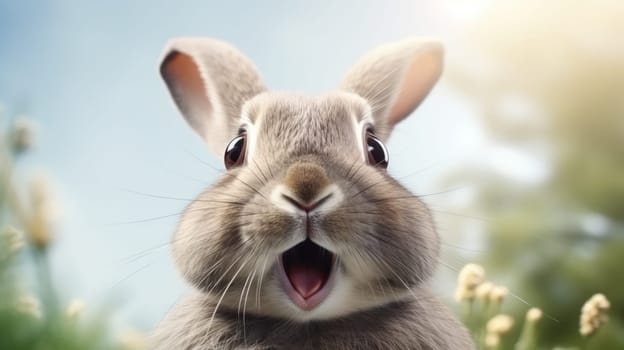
305, 241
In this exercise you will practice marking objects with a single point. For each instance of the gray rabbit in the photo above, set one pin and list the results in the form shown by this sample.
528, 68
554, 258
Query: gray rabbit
305, 241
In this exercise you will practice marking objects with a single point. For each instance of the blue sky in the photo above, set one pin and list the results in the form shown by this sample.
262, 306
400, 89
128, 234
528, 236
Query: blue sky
87, 72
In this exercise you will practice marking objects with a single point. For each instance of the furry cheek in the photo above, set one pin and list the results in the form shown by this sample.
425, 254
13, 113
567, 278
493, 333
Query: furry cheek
264, 227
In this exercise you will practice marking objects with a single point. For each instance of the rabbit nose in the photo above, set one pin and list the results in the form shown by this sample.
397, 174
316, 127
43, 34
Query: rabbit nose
305, 183
307, 207
306, 187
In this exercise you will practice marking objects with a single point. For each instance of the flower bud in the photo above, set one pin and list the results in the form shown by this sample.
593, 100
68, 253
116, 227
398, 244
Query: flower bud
470, 276
23, 135
29, 305
42, 213
75, 309
594, 314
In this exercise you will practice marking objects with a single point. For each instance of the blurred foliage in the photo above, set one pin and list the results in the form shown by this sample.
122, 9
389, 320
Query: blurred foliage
34, 317
493, 328
548, 79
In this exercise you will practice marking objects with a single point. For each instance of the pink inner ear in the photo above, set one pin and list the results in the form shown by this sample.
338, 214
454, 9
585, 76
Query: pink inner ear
422, 73
187, 86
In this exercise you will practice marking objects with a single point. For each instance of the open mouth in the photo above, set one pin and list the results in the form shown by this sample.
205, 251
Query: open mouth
307, 270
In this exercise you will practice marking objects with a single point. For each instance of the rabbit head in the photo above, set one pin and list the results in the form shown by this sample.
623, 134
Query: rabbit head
305, 223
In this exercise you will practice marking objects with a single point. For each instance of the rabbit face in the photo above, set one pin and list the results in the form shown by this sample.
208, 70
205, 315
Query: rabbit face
305, 223
306, 227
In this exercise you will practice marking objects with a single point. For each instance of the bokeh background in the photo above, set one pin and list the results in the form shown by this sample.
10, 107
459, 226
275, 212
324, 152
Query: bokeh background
519, 150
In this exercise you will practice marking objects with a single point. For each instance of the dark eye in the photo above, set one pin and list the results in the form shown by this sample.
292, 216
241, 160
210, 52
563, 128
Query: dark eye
377, 152
235, 151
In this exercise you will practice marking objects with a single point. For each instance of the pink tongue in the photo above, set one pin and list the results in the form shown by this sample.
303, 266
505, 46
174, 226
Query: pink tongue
305, 280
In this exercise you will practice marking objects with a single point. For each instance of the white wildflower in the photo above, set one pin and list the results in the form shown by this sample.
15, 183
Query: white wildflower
470, 276
24, 131
29, 305
482, 292
500, 324
75, 309
528, 336
14, 239
498, 294
534, 314
496, 327
594, 314
43, 212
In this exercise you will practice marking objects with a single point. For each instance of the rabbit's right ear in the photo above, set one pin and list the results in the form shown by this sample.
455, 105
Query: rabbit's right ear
209, 81
395, 78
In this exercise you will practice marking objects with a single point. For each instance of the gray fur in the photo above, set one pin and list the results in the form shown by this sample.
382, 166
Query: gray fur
422, 324
229, 239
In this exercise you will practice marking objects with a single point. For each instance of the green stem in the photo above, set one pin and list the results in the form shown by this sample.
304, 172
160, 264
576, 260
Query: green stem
48, 293
585, 342
528, 337
6, 172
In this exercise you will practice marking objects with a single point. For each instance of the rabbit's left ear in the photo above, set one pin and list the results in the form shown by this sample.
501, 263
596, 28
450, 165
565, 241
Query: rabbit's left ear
395, 78
210, 81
